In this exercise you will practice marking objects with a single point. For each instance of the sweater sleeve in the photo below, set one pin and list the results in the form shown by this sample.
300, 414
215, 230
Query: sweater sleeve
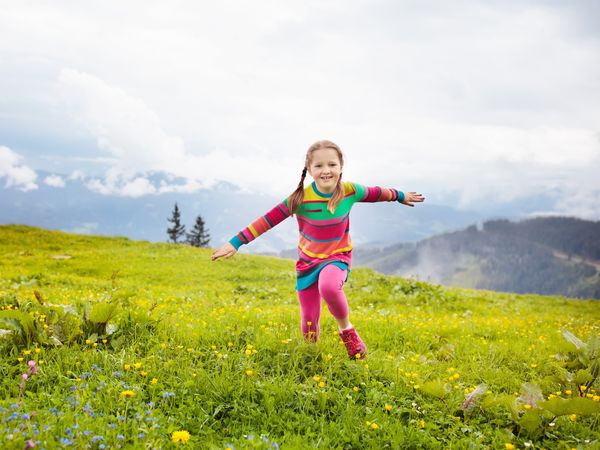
261, 225
378, 194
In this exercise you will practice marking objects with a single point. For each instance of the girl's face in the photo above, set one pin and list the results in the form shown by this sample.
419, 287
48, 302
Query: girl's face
325, 168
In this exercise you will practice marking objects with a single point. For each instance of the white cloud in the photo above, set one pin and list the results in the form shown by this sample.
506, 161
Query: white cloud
54, 181
17, 175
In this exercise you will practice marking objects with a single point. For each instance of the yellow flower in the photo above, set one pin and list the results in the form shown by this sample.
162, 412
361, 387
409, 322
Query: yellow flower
249, 372
20, 359
248, 352
37, 350
127, 394
137, 365
143, 373
596, 398
127, 366
317, 378
355, 389
322, 384
573, 417
190, 350
527, 406
180, 437
568, 392
26, 352
583, 387
374, 426
421, 424
88, 341
509, 446
163, 346
388, 407
154, 381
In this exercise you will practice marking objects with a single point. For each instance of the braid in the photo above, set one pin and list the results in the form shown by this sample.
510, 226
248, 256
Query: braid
337, 197
297, 196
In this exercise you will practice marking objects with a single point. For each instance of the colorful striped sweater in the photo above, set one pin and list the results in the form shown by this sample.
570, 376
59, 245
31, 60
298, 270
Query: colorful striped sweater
324, 237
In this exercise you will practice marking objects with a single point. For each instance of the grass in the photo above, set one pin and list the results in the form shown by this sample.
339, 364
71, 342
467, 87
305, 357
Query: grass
214, 349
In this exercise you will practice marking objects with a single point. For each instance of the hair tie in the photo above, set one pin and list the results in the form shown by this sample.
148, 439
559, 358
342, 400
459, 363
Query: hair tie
304, 172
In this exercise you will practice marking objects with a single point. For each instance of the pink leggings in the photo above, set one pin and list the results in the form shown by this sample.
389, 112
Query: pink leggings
329, 287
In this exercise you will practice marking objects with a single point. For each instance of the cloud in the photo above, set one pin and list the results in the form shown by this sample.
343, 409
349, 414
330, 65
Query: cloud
477, 102
54, 181
17, 175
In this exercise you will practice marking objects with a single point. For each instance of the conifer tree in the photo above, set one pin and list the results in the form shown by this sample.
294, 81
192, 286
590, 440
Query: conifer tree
199, 236
177, 230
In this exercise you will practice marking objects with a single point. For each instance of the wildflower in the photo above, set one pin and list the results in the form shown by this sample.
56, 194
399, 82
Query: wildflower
317, 378
127, 366
388, 407
127, 394
596, 398
573, 417
20, 359
180, 437
249, 372
154, 381
26, 352
29, 443
322, 384
356, 389
190, 350
37, 349
568, 392
374, 426
509, 446
421, 424
248, 352
88, 341
137, 365
583, 388
143, 373
163, 346
527, 406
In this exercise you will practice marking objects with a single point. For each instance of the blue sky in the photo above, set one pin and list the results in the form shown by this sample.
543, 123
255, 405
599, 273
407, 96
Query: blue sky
473, 103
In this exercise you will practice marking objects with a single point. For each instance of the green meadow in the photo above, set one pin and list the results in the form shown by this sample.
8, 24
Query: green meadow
114, 343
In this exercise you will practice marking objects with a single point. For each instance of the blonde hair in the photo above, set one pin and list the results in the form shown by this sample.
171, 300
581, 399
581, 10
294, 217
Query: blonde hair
295, 200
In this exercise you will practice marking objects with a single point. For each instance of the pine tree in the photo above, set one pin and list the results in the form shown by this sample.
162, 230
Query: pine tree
199, 236
177, 230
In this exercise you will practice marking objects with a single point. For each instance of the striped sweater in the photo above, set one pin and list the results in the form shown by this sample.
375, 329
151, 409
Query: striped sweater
324, 237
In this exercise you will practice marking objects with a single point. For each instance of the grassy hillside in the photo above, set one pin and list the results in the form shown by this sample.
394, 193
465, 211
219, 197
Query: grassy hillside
140, 345
545, 255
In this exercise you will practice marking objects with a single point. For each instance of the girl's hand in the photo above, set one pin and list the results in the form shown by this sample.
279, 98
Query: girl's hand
227, 250
412, 197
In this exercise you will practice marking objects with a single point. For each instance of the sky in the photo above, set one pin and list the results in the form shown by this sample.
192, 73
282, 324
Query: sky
470, 102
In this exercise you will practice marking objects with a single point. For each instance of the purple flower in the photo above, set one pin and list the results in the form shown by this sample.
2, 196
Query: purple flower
25, 376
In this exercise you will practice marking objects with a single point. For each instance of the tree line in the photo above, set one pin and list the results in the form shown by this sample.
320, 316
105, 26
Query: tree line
197, 237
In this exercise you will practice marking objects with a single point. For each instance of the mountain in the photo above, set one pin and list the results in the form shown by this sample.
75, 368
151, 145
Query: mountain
544, 255
226, 209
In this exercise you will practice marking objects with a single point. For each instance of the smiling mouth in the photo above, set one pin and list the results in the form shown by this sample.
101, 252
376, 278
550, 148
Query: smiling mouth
326, 178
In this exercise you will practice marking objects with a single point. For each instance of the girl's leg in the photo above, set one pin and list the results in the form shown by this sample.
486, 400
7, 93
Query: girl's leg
331, 283
310, 312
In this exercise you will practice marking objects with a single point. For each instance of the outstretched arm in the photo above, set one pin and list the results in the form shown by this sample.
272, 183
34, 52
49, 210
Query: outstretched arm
379, 194
252, 231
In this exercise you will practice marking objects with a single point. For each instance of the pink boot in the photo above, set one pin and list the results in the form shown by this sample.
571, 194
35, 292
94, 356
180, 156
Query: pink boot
354, 345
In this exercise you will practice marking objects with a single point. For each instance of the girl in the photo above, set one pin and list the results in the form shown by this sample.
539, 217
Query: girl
325, 249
